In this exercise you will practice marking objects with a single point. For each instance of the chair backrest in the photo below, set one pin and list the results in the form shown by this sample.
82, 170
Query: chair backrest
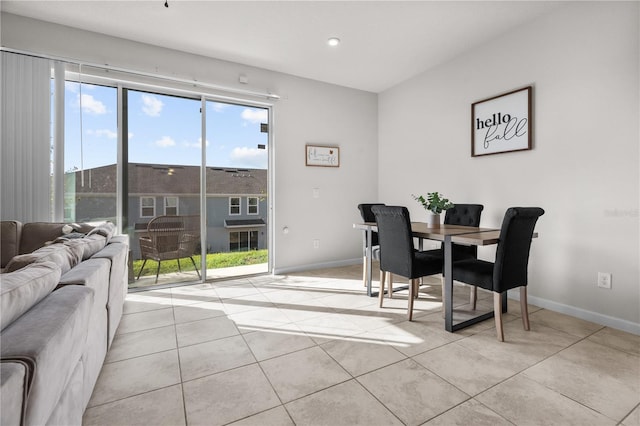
464, 214
512, 254
368, 216
396, 240
191, 235
467, 215
166, 232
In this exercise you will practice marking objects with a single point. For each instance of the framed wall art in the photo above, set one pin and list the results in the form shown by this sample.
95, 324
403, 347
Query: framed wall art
322, 156
502, 123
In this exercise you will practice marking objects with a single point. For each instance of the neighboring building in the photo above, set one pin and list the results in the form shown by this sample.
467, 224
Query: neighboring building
236, 201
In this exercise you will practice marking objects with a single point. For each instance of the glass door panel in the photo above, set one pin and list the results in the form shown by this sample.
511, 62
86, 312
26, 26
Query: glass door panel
237, 199
90, 152
163, 187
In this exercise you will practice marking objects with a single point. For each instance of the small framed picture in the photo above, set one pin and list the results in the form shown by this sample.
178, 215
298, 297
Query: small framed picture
502, 123
322, 156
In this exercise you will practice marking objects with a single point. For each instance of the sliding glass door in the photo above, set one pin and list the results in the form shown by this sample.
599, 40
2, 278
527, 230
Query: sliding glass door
169, 179
163, 187
237, 199
90, 152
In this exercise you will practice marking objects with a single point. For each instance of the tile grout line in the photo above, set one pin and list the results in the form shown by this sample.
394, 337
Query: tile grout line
318, 343
270, 384
175, 332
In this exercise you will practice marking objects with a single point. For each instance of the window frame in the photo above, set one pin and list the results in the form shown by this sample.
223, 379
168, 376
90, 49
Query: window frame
257, 212
238, 205
142, 207
177, 206
239, 241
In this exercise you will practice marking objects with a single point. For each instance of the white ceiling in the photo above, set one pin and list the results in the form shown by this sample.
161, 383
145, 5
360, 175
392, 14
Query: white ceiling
383, 42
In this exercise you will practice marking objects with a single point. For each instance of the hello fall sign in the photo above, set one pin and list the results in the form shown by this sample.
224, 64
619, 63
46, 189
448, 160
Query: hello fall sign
501, 123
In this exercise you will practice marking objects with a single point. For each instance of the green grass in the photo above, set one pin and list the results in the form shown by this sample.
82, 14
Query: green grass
214, 261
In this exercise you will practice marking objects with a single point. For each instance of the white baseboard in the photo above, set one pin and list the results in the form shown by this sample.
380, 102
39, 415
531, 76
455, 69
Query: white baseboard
323, 265
606, 320
602, 319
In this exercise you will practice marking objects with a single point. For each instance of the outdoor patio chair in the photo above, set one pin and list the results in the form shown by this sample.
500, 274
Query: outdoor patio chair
168, 238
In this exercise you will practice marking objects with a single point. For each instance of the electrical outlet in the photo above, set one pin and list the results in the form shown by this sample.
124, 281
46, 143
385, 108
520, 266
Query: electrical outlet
316, 244
604, 280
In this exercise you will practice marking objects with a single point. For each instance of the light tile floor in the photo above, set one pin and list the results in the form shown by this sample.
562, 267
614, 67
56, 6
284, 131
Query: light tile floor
313, 349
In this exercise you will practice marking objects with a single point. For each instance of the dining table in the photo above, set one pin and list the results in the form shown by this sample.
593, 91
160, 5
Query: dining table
448, 235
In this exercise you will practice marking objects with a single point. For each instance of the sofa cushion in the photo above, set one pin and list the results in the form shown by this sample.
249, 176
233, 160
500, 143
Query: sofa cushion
117, 254
106, 229
37, 234
20, 290
76, 247
66, 257
10, 231
93, 273
93, 244
19, 262
70, 236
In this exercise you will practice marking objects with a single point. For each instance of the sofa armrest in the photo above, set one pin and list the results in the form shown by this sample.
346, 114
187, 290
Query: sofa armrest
10, 234
49, 339
13, 391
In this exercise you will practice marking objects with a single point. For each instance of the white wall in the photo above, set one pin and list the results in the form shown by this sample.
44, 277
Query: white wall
309, 112
583, 62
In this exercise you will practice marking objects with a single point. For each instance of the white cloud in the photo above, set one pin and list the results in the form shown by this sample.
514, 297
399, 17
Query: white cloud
92, 105
130, 135
71, 86
104, 132
164, 142
74, 86
255, 115
249, 157
152, 105
218, 107
196, 144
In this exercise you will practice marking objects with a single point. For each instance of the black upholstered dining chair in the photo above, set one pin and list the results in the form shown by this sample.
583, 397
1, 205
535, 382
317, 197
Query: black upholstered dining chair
510, 267
467, 215
397, 253
368, 216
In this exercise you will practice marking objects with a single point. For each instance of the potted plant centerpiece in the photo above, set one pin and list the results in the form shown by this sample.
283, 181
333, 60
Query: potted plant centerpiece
435, 204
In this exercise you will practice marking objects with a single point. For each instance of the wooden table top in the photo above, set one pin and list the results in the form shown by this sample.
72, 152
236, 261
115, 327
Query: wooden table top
460, 234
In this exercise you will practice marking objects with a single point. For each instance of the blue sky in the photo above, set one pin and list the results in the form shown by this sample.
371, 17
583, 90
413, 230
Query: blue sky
162, 130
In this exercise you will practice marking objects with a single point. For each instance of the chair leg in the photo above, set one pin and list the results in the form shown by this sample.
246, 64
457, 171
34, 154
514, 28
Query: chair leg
364, 271
473, 296
442, 281
412, 286
390, 279
416, 289
497, 313
381, 292
141, 268
524, 310
157, 272
194, 265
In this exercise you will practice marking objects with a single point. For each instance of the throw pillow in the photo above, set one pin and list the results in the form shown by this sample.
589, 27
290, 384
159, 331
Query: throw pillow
93, 244
106, 229
64, 256
23, 289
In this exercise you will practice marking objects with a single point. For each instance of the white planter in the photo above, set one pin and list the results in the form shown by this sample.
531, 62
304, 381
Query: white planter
433, 220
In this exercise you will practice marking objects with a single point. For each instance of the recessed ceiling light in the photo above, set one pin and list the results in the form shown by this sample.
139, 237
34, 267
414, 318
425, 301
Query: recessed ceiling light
333, 41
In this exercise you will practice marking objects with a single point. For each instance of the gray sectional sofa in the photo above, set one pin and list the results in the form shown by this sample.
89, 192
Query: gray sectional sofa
62, 294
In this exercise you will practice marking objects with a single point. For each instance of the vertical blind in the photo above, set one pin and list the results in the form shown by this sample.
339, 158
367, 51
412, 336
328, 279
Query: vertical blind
25, 148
